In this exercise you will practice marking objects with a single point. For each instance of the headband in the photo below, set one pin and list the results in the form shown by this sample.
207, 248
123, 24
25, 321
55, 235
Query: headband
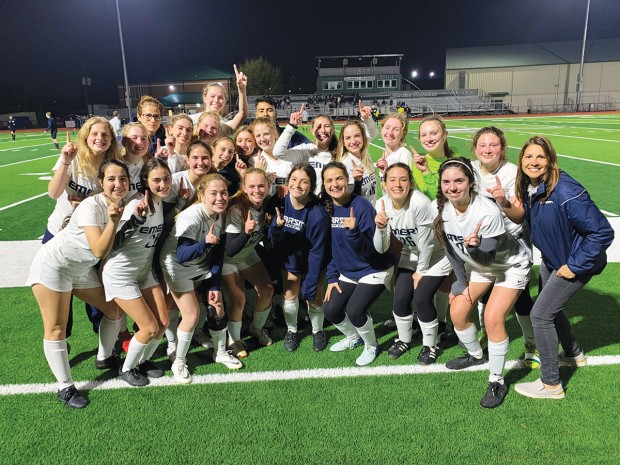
460, 163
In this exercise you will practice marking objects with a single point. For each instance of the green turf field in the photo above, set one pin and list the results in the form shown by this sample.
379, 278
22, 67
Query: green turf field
389, 413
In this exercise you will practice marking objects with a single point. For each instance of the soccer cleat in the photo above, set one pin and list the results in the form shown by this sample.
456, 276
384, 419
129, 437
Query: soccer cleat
239, 349
536, 390
72, 398
464, 361
531, 359
577, 360
133, 377
427, 356
319, 341
112, 362
397, 349
368, 355
181, 372
442, 332
494, 396
262, 336
348, 343
389, 323
203, 339
290, 341
228, 359
148, 368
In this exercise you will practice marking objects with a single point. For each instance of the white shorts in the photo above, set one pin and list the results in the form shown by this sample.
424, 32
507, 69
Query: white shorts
380, 277
249, 261
61, 279
441, 268
512, 278
126, 289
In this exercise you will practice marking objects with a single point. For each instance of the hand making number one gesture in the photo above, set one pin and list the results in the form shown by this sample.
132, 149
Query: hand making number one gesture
498, 192
279, 218
365, 112
142, 208
473, 240
381, 220
211, 238
297, 116
349, 222
250, 224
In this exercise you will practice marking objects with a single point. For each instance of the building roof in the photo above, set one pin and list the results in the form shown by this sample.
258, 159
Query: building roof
546, 53
202, 73
182, 98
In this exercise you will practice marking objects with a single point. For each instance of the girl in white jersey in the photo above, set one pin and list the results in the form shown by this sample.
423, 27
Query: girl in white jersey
214, 98
497, 181
177, 141
482, 254
394, 133
64, 265
128, 277
192, 253
245, 228
352, 152
75, 176
136, 144
245, 144
408, 215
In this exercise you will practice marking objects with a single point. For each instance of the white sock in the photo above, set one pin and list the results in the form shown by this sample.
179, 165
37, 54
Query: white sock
442, 303
184, 339
429, 332
404, 327
481, 308
171, 330
150, 350
346, 327
260, 318
219, 341
469, 338
58, 360
134, 353
367, 333
317, 317
234, 329
497, 360
108, 334
201, 319
290, 308
526, 327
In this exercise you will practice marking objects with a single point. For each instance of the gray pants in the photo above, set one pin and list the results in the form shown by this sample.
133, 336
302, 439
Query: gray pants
551, 323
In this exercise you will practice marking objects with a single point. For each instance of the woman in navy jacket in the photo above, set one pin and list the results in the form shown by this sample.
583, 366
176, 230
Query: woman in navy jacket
572, 235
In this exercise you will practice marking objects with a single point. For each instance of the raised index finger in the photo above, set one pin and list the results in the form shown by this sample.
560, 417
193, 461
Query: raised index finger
181, 184
475, 233
301, 110
413, 150
68, 138
212, 229
236, 70
352, 214
382, 206
249, 215
146, 197
497, 182
360, 102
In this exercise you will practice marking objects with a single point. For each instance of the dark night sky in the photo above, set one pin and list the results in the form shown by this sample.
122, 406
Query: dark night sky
45, 44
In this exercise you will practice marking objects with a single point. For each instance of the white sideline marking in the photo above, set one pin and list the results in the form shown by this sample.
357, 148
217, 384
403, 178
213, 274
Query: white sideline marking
23, 148
22, 201
316, 373
28, 161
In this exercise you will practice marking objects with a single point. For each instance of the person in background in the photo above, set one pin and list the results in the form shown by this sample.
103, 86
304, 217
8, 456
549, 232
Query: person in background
11, 126
116, 125
266, 107
52, 128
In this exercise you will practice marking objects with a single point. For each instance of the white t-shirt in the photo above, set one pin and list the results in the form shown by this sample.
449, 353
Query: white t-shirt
369, 181
173, 196
281, 167
135, 183
401, 155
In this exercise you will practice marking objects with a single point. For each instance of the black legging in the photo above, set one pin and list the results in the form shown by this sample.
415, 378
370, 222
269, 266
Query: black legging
354, 302
423, 295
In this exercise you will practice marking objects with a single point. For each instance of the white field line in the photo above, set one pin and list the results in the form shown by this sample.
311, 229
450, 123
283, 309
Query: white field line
22, 148
581, 137
22, 201
291, 375
559, 154
28, 161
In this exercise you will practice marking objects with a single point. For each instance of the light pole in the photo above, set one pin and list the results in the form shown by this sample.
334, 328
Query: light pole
120, 34
86, 82
583, 52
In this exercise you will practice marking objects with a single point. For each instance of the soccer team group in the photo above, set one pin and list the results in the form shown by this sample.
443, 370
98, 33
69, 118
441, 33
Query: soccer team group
207, 216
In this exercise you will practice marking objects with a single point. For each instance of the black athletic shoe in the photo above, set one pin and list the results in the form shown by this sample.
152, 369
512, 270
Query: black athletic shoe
319, 341
495, 395
112, 362
133, 377
398, 348
71, 397
416, 331
442, 331
427, 356
290, 341
149, 369
464, 361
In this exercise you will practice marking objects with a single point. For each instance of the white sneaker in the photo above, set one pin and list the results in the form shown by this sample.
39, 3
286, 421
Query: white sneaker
228, 359
171, 351
204, 340
348, 343
578, 360
181, 372
368, 356
262, 336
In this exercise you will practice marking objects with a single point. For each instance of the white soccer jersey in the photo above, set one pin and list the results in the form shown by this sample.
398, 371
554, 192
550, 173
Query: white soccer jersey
135, 183
79, 186
134, 259
412, 225
281, 167
507, 173
173, 196
369, 181
482, 210
235, 224
176, 162
192, 223
401, 155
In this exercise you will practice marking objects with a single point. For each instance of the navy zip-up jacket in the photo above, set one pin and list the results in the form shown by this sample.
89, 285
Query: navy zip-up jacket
568, 228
